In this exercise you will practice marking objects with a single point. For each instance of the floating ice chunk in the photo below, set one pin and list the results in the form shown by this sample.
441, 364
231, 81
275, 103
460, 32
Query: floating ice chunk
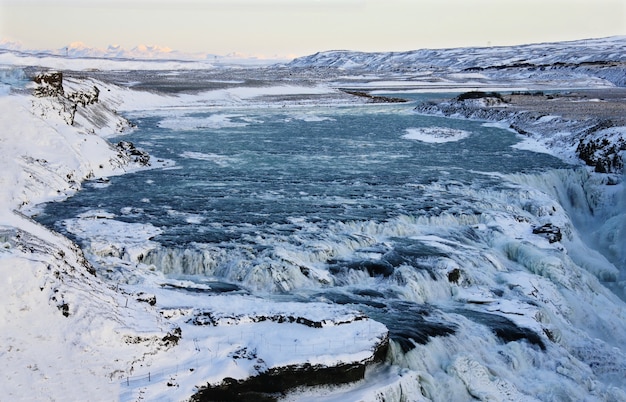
435, 134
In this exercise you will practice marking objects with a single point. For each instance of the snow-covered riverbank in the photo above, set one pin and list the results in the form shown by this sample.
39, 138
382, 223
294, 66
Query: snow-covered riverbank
64, 331
70, 335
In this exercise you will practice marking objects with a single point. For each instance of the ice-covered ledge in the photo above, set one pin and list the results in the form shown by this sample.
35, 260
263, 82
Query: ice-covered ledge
238, 346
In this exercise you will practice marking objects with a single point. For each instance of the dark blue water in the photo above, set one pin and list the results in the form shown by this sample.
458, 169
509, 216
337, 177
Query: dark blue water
264, 168
320, 204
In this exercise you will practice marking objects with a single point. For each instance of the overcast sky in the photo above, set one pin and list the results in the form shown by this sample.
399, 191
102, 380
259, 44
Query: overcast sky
288, 28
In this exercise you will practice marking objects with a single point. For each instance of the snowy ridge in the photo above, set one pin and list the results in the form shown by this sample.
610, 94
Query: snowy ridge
575, 52
567, 63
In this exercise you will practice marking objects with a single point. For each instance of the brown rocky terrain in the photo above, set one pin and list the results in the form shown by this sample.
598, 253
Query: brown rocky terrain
603, 104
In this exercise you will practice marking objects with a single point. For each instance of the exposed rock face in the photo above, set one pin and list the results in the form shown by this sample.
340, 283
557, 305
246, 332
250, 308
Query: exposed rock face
270, 385
81, 108
549, 231
604, 155
127, 149
85, 97
50, 84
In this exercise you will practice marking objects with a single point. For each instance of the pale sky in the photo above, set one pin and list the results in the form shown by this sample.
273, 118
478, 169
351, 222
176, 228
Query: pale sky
287, 28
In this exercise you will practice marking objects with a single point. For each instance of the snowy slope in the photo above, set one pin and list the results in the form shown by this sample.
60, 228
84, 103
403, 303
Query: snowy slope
575, 52
64, 331
601, 59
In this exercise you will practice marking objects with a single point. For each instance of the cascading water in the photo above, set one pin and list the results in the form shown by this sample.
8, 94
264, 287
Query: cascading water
436, 237
596, 205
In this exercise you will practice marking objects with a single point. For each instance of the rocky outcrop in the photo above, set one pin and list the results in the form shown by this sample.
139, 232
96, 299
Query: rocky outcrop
594, 140
49, 84
84, 98
127, 150
549, 231
597, 149
80, 108
273, 383
374, 98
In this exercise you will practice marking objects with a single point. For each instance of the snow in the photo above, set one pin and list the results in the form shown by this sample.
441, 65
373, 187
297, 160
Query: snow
215, 121
435, 135
80, 56
68, 335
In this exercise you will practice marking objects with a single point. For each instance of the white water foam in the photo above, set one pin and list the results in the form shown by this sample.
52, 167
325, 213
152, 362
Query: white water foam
435, 135
215, 121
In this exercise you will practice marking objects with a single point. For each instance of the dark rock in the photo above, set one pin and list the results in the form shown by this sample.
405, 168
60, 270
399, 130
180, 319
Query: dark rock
85, 97
549, 231
602, 154
375, 98
271, 384
50, 84
127, 148
172, 338
205, 318
478, 95
146, 298
454, 275
65, 309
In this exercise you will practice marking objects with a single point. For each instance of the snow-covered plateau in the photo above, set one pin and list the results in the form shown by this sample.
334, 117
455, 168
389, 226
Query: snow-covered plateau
519, 290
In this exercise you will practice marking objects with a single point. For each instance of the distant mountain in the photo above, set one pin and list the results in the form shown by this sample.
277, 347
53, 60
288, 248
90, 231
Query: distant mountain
581, 51
606, 57
79, 50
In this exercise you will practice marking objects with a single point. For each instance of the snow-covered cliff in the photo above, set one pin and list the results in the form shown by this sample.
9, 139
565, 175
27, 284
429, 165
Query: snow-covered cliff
66, 333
